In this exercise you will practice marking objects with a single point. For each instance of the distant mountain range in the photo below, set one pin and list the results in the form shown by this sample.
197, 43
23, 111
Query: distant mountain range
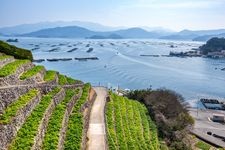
80, 32
200, 35
79, 29
26, 28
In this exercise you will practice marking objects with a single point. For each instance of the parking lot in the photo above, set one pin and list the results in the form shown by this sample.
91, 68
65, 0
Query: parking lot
206, 129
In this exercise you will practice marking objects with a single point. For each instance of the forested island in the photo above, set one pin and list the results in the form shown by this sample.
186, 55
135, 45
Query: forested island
214, 47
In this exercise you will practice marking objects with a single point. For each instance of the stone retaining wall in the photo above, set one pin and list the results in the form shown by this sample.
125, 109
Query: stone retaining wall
9, 131
44, 122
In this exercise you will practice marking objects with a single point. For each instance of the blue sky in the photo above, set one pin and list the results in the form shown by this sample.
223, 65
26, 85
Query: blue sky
173, 14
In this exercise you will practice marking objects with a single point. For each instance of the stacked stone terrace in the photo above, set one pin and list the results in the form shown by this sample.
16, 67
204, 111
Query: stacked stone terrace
41, 109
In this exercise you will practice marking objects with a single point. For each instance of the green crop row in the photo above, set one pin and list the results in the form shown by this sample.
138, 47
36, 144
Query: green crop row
31, 72
13, 108
75, 125
67, 80
26, 134
2, 57
11, 67
110, 120
51, 138
129, 125
62, 79
50, 75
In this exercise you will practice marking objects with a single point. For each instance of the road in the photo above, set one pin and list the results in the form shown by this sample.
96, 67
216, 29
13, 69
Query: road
96, 131
203, 124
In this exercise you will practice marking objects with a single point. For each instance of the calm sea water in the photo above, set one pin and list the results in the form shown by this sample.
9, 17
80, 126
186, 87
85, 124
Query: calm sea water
120, 64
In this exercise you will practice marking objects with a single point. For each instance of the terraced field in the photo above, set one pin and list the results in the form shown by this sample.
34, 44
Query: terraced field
45, 115
129, 125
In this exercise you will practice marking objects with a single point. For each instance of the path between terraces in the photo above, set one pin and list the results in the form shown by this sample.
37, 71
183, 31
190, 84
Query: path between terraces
96, 131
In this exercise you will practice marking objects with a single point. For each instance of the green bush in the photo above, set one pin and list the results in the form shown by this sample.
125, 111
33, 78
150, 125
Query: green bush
11, 67
33, 71
50, 75
25, 136
51, 138
13, 108
75, 125
202, 145
18, 53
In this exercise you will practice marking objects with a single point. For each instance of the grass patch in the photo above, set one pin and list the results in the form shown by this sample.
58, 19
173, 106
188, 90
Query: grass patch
11, 67
13, 108
50, 75
33, 71
202, 145
25, 136
75, 125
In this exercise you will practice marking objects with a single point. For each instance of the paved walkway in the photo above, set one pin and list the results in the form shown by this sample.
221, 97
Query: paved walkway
96, 131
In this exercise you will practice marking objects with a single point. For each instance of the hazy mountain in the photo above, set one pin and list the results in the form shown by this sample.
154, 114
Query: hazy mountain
190, 35
136, 33
26, 28
207, 37
80, 32
62, 32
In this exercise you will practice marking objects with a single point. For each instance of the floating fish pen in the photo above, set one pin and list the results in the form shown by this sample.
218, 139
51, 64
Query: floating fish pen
38, 60
74, 49
60, 59
53, 59
90, 50
86, 58
35, 48
150, 55
54, 49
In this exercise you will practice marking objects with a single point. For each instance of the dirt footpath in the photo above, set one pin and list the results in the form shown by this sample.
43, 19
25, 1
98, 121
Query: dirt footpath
96, 131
